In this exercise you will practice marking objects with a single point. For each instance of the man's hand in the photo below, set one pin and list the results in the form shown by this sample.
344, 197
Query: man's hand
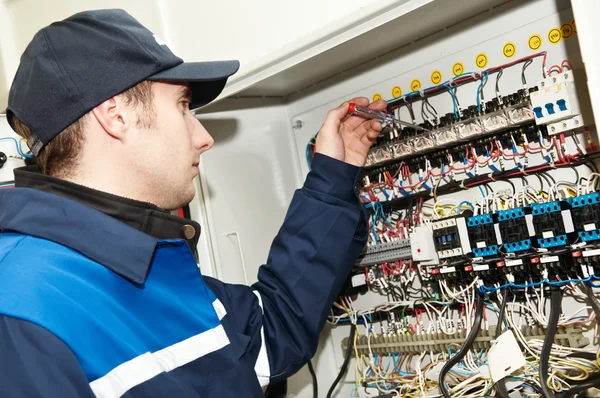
348, 138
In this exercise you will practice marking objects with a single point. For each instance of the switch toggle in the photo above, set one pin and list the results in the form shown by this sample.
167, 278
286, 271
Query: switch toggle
538, 112
550, 108
562, 104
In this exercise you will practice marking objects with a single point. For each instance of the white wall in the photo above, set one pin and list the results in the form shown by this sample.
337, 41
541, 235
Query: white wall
254, 31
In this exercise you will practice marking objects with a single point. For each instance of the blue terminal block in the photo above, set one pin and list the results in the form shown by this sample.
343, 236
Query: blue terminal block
586, 216
510, 214
538, 209
585, 200
513, 230
513, 247
556, 241
485, 251
479, 220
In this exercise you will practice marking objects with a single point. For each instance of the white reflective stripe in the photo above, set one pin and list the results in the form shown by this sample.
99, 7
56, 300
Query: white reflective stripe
262, 369
144, 367
219, 308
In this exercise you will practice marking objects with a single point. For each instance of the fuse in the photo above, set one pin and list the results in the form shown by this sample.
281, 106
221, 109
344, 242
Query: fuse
382, 117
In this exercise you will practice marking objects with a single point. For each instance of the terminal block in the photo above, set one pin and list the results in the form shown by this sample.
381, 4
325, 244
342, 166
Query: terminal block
450, 237
385, 252
569, 336
585, 211
552, 223
516, 229
482, 235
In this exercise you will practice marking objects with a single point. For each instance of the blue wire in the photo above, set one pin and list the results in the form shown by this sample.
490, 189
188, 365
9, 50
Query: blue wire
484, 288
479, 88
18, 145
311, 141
467, 203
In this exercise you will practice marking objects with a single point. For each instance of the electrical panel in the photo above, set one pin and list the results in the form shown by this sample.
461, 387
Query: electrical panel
490, 178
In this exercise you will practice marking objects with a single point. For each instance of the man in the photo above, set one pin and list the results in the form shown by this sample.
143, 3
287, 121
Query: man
100, 293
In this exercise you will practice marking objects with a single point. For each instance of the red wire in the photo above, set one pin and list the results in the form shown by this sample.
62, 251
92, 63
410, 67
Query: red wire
566, 61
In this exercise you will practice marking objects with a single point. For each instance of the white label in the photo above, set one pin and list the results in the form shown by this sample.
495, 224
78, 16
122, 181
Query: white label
480, 267
549, 259
505, 356
590, 227
547, 234
481, 244
358, 280
447, 270
485, 371
512, 263
589, 253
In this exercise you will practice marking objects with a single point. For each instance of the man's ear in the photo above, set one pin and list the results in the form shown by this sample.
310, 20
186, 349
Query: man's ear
114, 117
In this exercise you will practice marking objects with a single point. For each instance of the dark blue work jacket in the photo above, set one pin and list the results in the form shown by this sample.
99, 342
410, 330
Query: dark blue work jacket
101, 296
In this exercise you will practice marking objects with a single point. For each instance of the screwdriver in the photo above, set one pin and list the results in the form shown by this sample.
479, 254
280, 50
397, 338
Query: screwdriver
382, 117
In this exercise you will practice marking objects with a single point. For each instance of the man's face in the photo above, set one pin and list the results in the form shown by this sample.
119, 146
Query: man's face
168, 151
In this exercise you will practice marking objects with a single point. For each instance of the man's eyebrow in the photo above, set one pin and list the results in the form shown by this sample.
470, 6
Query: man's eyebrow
185, 93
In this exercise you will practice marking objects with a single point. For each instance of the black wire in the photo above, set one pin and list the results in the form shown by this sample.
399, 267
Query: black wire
314, 380
550, 177
498, 76
545, 177
501, 384
591, 382
534, 386
593, 302
502, 312
525, 65
344, 367
466, 346
555, 310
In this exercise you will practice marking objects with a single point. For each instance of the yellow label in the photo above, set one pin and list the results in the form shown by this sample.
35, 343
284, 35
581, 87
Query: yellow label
554, 35
458, 69
574, 26
509, 50
377, 97
566, 30
436, 77
396, 92
481, 60
415, 85
535, 41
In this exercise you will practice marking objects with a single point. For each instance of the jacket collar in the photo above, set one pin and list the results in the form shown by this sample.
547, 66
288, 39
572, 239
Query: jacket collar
117, 232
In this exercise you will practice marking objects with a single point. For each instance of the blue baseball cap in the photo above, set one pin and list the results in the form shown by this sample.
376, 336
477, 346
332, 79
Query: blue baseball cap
74, 65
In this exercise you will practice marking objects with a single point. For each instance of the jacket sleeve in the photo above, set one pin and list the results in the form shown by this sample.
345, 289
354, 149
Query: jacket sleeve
323, 234
35, 363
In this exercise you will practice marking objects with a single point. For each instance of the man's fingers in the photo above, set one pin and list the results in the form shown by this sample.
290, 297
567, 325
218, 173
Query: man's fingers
368, 128
340, 114
354, 121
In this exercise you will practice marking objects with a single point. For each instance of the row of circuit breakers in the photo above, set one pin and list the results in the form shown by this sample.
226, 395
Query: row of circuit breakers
504, 238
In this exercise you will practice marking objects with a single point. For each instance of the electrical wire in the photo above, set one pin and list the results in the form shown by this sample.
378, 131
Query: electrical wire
555, 311
593, 302
344, 367
501, 384
314, 379
465, 348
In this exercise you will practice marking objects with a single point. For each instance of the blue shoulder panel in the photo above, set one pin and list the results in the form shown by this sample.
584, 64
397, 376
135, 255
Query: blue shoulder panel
105, 319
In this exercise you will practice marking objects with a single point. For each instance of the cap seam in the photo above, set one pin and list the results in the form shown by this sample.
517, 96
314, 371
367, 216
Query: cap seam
156, 63
62, 75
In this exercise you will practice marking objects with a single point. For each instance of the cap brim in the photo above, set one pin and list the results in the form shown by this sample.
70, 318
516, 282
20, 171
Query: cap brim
206, 79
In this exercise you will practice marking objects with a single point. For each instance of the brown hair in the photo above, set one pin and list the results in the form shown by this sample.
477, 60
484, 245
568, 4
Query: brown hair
60, 156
